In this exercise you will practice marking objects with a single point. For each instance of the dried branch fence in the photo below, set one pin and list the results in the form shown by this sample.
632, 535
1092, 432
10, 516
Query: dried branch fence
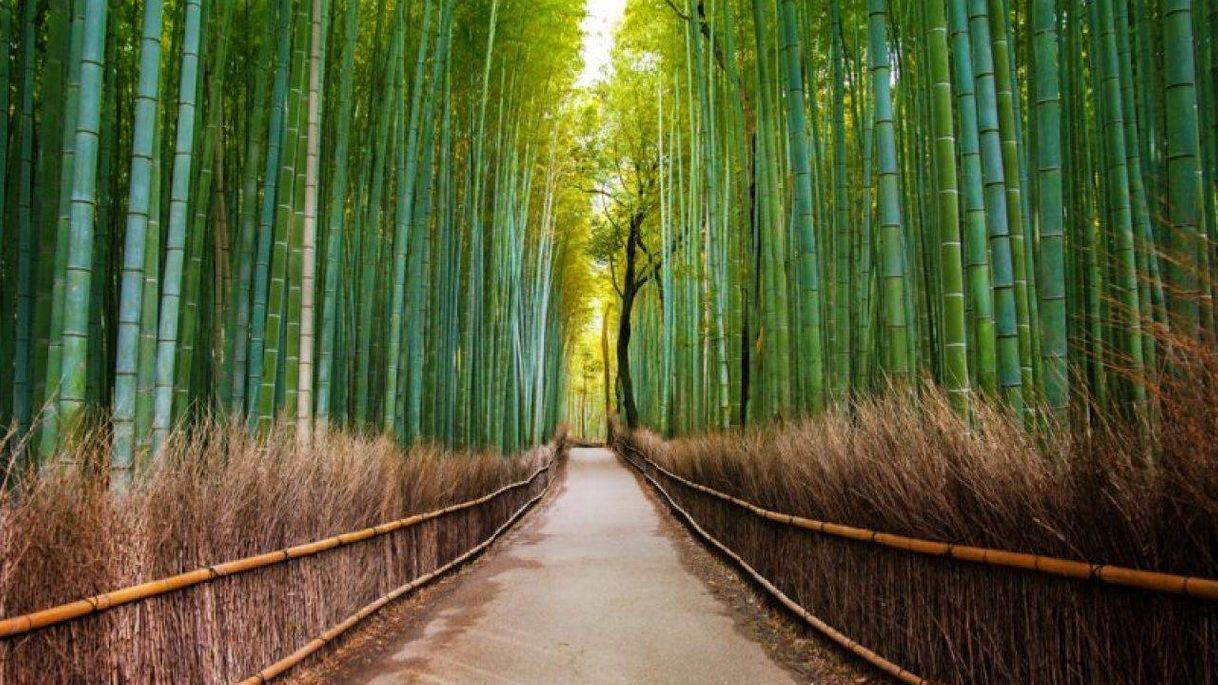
939, 612
224, 622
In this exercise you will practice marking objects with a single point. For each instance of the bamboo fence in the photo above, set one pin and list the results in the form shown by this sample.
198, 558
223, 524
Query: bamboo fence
221, 622
1113, 624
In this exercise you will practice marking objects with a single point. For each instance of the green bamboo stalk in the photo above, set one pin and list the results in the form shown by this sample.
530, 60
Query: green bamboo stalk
1008, 133
1052, 282
408, 150
6, 324
336, 219
248, 228
1184, 202
420, 233
982, 333
997, 206
135, 242
52, 126
812, 357
954, 343
892, 234
79, 268
274, 352
58, 213
1117, 179
207, 142
276, 139
175, 245
23, 390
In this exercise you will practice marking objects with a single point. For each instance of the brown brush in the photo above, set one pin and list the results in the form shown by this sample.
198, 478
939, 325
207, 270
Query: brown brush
219, 496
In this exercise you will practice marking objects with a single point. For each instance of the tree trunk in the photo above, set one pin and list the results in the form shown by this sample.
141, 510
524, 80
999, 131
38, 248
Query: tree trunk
605, 367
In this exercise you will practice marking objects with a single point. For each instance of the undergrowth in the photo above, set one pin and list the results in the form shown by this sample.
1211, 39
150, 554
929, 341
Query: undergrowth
216, 496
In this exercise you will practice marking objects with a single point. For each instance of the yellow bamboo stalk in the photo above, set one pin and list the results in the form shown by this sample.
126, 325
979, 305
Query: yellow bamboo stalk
38, 620
1151, 581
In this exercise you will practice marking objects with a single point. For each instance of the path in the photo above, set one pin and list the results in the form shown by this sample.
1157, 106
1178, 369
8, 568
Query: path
589, 591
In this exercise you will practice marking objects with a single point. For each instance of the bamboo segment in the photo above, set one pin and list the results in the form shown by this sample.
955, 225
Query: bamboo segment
1150, 581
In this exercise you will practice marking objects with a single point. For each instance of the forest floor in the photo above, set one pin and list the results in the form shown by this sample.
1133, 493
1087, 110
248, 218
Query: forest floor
599, 585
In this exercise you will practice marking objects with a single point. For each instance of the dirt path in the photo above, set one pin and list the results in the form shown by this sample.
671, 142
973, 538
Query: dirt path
590, 590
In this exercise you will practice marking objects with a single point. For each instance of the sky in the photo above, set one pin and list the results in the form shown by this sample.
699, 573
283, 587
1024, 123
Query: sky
598, 25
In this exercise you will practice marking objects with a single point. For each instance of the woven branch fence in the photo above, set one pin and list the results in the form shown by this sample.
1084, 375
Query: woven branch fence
254, 618
956, 619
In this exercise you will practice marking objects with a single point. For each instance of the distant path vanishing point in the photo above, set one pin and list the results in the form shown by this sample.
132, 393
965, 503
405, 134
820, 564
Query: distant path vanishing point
590, 590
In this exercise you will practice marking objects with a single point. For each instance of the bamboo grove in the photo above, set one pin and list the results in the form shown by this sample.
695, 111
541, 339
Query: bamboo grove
1014, 198
324, 212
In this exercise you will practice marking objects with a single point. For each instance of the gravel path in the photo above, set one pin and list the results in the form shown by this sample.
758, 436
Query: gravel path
590, 590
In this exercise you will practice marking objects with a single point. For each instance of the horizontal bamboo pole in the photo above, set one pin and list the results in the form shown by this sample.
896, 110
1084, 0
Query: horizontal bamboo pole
829, 631
38, 620
1151, 581
283, 665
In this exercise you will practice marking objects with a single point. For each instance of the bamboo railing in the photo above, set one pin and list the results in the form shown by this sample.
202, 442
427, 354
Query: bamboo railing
45, 618
283, 665
1150, 581
868, 655
1160, 584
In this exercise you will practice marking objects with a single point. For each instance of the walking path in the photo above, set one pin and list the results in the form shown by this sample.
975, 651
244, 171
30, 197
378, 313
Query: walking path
589, 591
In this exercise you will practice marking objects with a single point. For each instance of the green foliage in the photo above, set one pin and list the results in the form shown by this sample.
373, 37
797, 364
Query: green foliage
786, 204
275, 223
1006, 196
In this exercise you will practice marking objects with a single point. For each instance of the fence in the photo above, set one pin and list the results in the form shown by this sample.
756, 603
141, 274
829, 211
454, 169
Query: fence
953, 613
224, 622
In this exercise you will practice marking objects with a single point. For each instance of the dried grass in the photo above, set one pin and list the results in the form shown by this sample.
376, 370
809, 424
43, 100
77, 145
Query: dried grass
913, 468
222, 496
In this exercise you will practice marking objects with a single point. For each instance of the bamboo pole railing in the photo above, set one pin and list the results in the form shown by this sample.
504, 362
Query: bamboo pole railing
62, 613
283, 665
1151, 581
859, 650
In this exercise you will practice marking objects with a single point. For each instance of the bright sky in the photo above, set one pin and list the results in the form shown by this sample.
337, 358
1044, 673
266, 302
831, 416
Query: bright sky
598, 25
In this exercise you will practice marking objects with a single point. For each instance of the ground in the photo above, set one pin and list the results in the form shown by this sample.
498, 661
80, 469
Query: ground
598, 585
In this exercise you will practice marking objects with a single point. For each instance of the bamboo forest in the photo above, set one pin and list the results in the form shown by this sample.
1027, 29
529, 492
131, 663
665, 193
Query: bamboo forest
748, 341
